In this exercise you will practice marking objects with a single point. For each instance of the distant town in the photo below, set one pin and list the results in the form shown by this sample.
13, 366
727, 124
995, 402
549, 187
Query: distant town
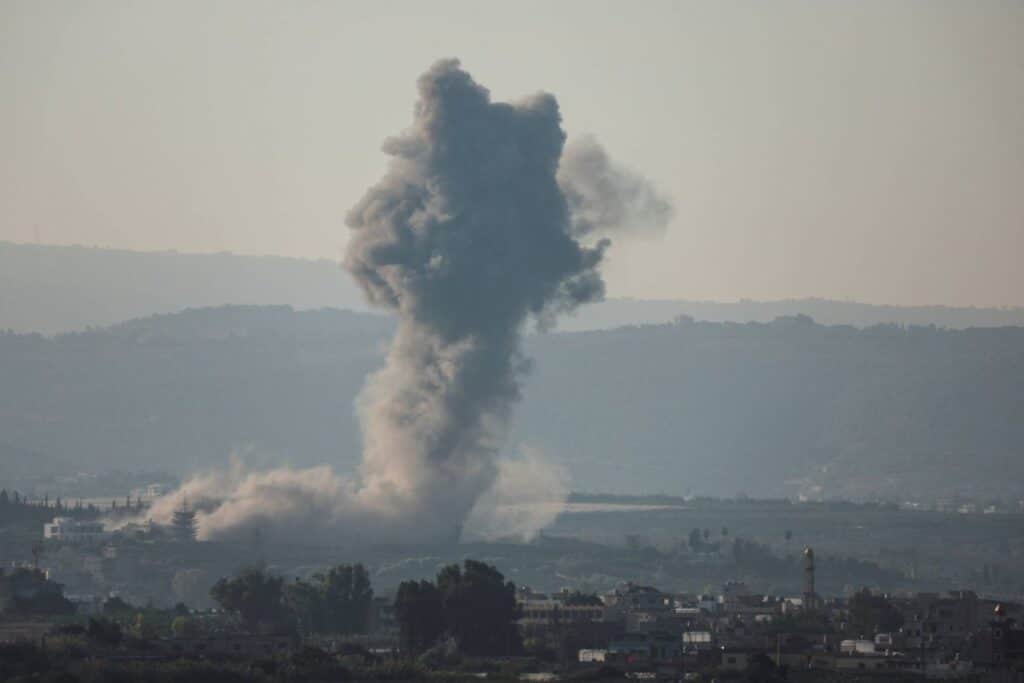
103, 583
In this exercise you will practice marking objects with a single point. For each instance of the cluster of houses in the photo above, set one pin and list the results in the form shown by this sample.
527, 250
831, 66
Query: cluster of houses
648, 631
642, 629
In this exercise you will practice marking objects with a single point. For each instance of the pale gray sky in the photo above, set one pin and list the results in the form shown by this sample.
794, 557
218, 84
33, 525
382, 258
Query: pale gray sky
869, 150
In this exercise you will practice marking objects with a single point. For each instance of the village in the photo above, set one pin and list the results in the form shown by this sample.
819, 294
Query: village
629, 630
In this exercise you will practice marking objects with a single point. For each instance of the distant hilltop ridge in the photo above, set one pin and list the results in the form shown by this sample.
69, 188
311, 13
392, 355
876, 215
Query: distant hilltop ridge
619, 312
788, 408
54, 289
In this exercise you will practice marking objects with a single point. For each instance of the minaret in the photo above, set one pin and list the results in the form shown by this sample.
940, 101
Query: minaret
810, 597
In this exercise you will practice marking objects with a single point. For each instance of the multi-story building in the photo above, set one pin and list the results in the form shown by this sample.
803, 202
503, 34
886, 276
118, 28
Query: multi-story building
631, 597
542, 610
70, 530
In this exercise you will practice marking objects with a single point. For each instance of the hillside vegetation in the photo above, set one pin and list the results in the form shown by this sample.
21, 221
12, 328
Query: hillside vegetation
782, 408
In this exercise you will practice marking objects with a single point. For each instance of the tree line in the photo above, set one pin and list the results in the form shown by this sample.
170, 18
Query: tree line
471, 606
17, 507
337, 601
26, 593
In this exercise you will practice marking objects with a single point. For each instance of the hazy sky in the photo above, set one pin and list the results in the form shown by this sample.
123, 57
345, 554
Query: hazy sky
869, 150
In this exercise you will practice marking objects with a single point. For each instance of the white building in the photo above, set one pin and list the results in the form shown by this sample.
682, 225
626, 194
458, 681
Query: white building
859, 647
70, 530
697, 640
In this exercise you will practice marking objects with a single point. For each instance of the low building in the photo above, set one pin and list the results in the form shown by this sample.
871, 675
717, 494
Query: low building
697, 640
226, 646
631, 598
636, 648
749, 607
70, 530
873, 662
860, 647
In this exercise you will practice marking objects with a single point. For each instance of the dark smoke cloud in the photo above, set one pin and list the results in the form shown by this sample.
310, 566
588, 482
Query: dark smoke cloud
605, 197
474, 230
466, 237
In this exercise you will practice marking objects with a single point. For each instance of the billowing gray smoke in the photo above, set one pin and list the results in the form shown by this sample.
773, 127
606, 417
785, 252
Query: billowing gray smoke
466, 236
604, 196
474, 231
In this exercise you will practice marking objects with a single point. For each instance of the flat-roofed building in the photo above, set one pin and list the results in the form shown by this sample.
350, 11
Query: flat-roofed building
71, 530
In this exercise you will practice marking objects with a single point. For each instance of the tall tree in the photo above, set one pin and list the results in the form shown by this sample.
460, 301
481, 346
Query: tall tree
104, 632
256, 597
337, 601
143, 628
347, 597
305, 602
117, 607
418, 612
479, 608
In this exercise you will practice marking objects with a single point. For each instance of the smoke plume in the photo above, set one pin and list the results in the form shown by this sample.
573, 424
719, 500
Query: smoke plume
477, 228
529, 493
605, 197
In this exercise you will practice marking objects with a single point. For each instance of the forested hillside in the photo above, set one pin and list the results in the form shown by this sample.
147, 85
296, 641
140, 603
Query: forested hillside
783, 408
